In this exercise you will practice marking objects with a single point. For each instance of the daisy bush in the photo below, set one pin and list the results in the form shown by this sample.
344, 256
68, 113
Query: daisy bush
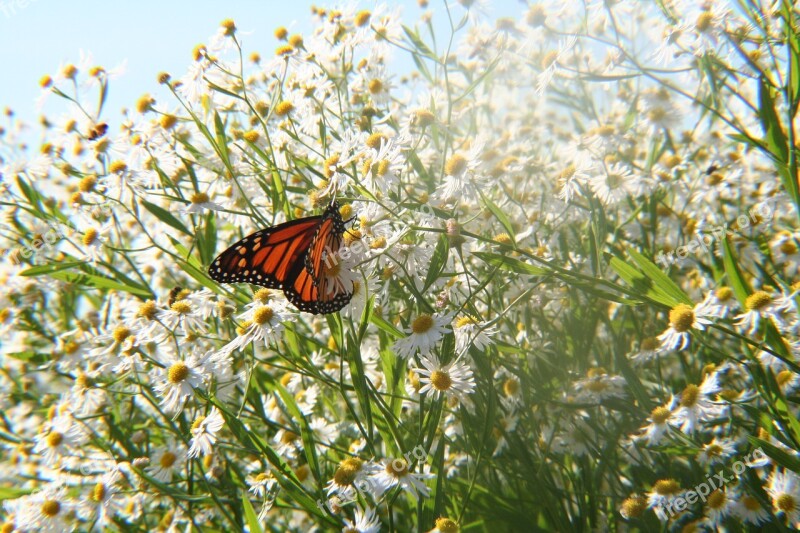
572, 241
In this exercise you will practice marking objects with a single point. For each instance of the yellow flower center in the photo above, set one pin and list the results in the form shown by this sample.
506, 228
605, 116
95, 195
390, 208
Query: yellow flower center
502, 238
750, 503
717, 499
614, 180
362, 18
147, 310
289, 437
723, 294
690, 395
50, 508
704, 21
88, 183
199, 198
783, 377
99, 492
331, 165
284, 108
197, 422
456, 165
634, 506
714, 450
263, 315
681, 317
178, 372
511, 387
117, 166
597, 386
757, 300
347, 471
374, 141
90, 236
120, 334
422, 324
181, 307
243, 327
397, 468
465, 321
71, 347
54, 438
786, 503
446, 525
649, 344
423, 118
262, 295
375, 86
168, 459
666, 487
441, 380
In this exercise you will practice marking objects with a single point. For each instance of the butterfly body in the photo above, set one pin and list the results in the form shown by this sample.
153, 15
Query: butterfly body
293, 257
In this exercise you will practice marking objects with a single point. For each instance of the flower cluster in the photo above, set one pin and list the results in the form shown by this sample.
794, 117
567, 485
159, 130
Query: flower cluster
512, 352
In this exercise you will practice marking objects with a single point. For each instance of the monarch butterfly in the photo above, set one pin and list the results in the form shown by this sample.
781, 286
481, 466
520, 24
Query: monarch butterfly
292, 257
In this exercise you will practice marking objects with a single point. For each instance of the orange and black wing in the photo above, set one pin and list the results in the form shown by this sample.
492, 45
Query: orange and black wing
272, 257
326, 243
315, 296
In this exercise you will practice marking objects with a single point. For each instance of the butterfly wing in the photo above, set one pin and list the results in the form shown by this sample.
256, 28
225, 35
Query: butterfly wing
291, 257
317, 297
269, 257
327, 241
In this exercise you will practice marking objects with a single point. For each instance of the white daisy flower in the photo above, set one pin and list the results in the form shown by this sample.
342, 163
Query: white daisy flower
364, 521
395, 472
46, 511
425, 332
204, 433
184, 314
696, 404
682, 319
351, 476
784, 489
762, 305
60, 438
471, 332
167, 461
200, 202
718, 451
599, 386
451, 380
260, 323
750, 511
177, 380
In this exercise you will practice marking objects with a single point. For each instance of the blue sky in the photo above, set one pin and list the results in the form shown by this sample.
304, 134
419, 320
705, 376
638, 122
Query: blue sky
36, 36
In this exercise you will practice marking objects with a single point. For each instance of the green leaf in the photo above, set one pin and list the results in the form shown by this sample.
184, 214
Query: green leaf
438, 260
166, 217
386, 326
100, 282
500, 216
511, 264
661, 281
222, 140
782, 458
250, 515
418, 43
10, 493
774, 137
739, 285
50, 268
